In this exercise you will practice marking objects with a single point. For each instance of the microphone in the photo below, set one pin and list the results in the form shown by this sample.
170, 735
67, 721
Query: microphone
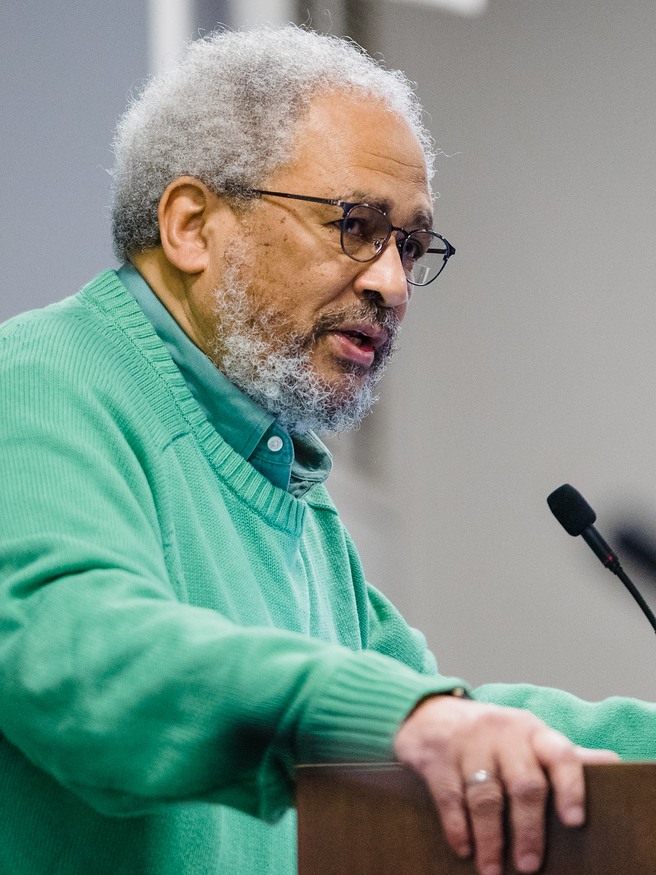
577, 518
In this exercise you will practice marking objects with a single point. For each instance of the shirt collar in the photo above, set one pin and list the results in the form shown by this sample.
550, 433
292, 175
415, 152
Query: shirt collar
295, 463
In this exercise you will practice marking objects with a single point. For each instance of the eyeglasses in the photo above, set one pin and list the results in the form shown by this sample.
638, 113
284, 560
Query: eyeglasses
365, 231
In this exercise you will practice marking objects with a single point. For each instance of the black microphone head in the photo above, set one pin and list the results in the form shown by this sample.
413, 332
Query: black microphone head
571, 510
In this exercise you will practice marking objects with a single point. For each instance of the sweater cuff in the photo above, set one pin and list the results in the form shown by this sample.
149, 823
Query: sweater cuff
362, 702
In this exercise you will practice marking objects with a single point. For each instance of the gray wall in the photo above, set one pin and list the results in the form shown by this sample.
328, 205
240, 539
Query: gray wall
528, 364
531, 361
66, 69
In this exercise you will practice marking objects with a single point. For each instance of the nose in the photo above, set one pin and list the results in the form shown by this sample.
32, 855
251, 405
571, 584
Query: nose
385, 277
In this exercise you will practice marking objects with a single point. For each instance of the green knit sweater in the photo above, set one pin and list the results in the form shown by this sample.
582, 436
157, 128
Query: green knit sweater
175, 631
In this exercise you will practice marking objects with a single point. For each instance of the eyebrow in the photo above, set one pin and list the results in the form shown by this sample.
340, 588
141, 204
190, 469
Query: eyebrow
422, 218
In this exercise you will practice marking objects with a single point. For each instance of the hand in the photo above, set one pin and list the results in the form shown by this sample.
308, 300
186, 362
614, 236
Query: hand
448, 740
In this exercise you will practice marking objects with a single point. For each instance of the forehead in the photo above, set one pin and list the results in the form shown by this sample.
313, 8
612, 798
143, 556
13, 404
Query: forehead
350, 147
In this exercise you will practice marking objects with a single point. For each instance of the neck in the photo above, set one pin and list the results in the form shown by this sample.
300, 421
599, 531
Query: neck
172, 286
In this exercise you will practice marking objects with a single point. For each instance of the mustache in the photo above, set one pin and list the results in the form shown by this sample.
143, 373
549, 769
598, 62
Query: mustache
382, 317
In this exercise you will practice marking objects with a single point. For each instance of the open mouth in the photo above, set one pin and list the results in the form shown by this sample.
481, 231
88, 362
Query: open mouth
358, 347
359, 339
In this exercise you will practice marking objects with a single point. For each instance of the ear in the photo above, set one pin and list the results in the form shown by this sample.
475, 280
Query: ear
185, 213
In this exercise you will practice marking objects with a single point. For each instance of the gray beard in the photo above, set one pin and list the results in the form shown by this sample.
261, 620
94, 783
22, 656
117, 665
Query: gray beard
271, 364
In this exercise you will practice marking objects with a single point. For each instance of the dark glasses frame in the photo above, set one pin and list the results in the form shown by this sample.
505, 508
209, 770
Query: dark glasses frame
443, 248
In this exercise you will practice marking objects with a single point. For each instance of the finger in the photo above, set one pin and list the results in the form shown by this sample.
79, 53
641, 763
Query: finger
485, 805
527, 790
446, 791
425, 742
564, 767
589, 756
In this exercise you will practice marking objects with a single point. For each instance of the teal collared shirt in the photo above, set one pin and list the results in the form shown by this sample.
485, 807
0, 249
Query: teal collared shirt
294, 463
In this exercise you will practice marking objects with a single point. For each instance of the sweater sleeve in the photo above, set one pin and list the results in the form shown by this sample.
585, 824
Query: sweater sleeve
383, 627
389, 633
627, 726
109, 682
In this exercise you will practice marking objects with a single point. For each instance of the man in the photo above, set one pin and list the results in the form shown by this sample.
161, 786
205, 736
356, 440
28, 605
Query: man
183, 615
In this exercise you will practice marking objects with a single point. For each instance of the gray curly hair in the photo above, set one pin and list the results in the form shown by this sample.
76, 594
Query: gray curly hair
226, 115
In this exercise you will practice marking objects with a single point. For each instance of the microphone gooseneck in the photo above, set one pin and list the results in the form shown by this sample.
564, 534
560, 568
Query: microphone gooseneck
577, 518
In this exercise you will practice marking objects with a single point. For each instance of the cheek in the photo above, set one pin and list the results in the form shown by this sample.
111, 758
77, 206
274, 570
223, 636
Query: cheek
290, 275
299, 292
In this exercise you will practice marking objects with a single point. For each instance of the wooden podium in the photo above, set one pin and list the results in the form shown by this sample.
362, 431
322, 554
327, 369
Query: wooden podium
379, 820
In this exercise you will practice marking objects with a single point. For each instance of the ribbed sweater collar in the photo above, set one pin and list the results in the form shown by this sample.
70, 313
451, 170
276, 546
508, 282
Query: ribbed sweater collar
159, 378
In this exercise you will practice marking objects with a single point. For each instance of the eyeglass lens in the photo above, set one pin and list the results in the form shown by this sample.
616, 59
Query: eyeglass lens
366, 230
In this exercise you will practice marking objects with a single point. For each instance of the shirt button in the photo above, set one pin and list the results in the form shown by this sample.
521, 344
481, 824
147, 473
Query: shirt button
275, 444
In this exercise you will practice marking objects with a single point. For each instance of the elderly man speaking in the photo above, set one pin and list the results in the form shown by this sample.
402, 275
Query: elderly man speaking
183, 616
